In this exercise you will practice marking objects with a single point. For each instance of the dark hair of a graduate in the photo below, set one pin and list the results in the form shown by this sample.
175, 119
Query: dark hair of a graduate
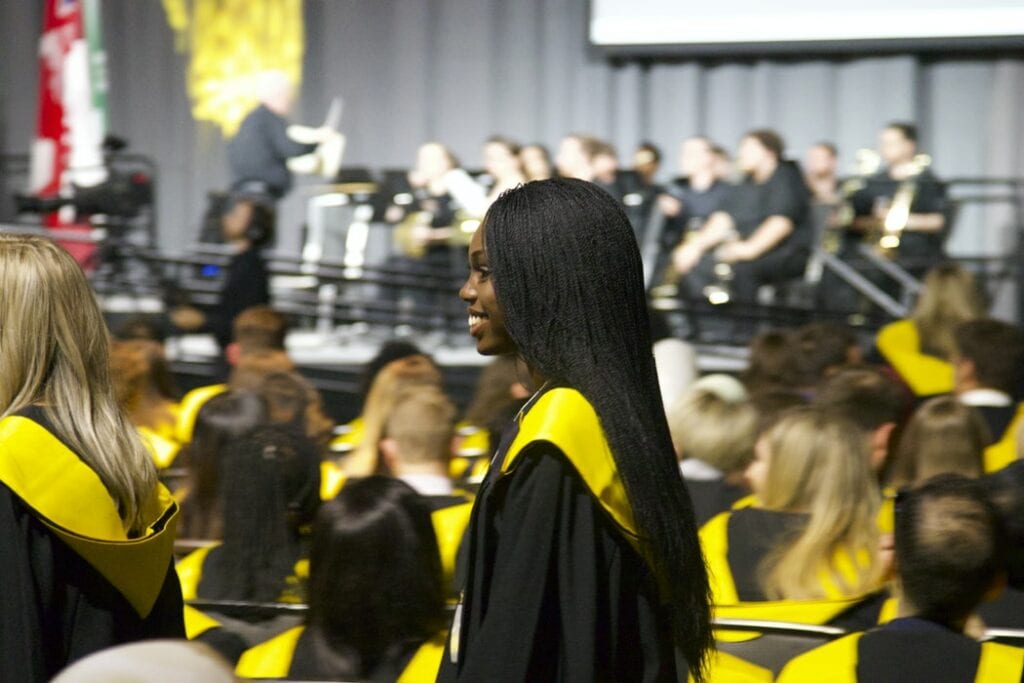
375, 579
950, 547
270, 487
1006, 490
224, 418
568, 277
391, 351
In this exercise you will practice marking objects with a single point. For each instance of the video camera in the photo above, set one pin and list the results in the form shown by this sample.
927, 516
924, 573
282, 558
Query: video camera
122, 195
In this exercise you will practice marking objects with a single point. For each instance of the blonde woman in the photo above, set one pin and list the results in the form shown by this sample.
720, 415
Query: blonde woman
87, 532
943, 436
813, 533
921, 348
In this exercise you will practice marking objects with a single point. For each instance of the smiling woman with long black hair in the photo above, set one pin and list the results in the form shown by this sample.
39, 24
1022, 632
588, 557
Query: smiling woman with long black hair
582, 560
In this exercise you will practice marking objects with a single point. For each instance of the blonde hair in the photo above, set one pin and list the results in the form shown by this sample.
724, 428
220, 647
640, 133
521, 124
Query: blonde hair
54, 353
422, 423
819, 466
397, 375
949, 297
943, 436
706, 426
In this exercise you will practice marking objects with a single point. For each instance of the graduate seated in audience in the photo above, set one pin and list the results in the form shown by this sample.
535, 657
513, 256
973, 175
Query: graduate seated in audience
376, 598
292, 402
150, 662
145, 388
500, 393
820, 350
943, 436
988, 375
871, 400
813, 532
269, 491
86, 530
416, 448
396, 376
222, 420
714, 427
772, 364
950, 555
921, 348
259, 331
1006, 490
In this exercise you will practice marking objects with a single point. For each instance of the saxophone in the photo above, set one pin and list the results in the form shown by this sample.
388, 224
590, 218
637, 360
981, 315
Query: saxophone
458, 234
866, 164
887, 240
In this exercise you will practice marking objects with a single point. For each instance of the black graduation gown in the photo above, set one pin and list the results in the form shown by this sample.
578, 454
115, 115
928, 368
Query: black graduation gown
57, 607
553, 590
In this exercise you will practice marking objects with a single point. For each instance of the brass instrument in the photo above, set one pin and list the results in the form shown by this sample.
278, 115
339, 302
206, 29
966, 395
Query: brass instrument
407, 232
669, 286
898, 215
866, 164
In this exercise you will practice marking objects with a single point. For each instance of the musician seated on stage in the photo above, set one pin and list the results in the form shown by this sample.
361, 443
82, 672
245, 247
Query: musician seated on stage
503, 165
443, 193
820, 167
687, 203
923, 229
536, 161
646, 161
950, 557
575, 158
762, 230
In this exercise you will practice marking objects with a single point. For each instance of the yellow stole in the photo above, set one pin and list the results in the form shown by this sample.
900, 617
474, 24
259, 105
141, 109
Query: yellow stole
565, 419
70, 500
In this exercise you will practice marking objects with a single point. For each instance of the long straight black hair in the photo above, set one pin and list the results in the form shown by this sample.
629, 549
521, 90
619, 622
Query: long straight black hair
569, 280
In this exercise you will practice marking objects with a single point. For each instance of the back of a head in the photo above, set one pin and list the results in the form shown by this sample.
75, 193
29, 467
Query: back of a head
943, 436
150, 661
568, 277
1006, 491
375, 575
996, 349
713, 429
260, 328
422, 424
950, 296
821, 349
54, 352
391, 351
950, 548
270, 490
772, 364
866, 396
221, 420
254, 367
494, 390
769, 139
819, 466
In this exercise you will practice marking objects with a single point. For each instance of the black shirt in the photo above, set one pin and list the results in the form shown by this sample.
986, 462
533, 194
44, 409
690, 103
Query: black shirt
930, 196
784, 194
260, 150
697, 206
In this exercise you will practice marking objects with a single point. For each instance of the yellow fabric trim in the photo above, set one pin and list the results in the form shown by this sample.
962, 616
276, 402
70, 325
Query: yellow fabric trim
889, 611
449, 525
925, 375
69, 498
425, 664
565, 419
998, 663
190, 571
350, 439
811, 612
163, 450
834, 662
1003, 452
189, 407
750, 501
714, 539
197, 623
270, 659
726, 667
332, 478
